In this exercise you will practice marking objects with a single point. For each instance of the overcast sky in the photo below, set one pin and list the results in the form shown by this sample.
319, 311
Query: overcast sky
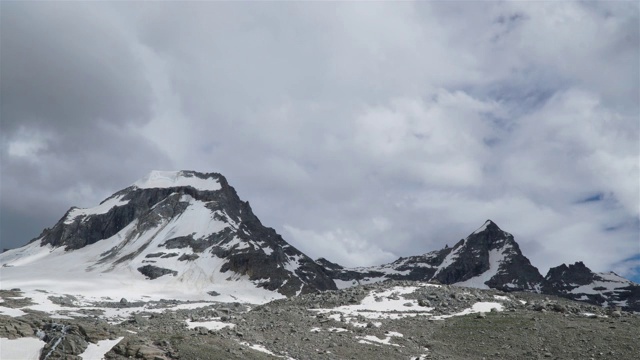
361, 132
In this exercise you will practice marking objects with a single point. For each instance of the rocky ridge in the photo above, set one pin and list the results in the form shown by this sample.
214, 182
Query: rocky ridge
173, 224
491, 258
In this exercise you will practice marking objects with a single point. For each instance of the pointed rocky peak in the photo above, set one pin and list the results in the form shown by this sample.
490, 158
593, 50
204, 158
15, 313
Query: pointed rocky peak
487, 226
489, 257
490, 235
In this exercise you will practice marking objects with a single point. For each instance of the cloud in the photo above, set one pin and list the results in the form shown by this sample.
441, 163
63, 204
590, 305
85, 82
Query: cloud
343, 247
360, 131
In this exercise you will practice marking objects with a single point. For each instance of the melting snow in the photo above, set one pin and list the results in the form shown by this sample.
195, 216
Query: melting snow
263, 349
369, 339
97, 351
390, 304
11, 312
27, 348
211, 325
476, 308
450, 258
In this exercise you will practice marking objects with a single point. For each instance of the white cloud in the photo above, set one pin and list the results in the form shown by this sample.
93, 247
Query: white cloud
375, 129
27, 143
342, 246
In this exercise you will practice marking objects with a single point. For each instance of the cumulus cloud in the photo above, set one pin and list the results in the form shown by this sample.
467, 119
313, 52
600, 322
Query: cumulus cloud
359, 131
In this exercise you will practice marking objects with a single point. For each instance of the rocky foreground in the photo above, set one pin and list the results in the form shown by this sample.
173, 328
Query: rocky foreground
389, 320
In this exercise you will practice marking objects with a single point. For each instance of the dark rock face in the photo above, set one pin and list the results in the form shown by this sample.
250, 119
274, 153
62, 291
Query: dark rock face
189, 257
491, 258
63, 341
487, 258
489, 251
565, 278
154, 272
578, 282
247, 247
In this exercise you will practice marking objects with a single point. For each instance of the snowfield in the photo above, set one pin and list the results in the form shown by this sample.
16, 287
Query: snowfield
166, 179
27, 348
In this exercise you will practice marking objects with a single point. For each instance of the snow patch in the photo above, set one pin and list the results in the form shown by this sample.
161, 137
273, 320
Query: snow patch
27, 348
476, 308
449, 259
166, 179
386, 304
370, 339
211, 325
103, 208
98, 350
11, 312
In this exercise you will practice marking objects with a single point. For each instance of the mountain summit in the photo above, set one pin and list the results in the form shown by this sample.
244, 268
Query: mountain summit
488, 258
185, 234
181, 229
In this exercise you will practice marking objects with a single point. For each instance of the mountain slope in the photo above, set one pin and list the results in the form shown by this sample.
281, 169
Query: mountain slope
170, 230
187, 235
488, 258
578, 282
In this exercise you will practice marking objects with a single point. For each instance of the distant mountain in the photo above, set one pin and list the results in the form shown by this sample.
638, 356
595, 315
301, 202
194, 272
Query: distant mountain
577, 282
183, 229
490, 258
183, 232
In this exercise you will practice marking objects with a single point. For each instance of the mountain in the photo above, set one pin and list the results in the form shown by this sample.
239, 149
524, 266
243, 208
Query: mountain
490, 258
186, 235
181, 231
578, 282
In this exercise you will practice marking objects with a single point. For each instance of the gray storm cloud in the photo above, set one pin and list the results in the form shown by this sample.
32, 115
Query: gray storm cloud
359, 131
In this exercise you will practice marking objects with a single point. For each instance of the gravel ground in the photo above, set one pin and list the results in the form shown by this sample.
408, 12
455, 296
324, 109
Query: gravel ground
529, 326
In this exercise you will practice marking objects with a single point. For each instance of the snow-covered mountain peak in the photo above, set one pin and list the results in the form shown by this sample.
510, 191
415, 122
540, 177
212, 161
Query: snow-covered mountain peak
167, 179
179, 230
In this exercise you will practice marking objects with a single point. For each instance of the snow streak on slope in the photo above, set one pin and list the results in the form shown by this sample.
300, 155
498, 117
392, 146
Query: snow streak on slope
450, 259
166, 179
103, 208
98, 350
496, 257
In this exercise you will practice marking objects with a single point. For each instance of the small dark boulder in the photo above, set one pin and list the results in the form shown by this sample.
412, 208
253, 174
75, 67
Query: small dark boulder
154, 272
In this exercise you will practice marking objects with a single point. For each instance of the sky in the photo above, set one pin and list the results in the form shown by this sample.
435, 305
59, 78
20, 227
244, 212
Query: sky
360, 131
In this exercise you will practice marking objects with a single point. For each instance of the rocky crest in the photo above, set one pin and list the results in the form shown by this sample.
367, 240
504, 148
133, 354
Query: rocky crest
490, 258
197, 216
190, 230
578, 282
